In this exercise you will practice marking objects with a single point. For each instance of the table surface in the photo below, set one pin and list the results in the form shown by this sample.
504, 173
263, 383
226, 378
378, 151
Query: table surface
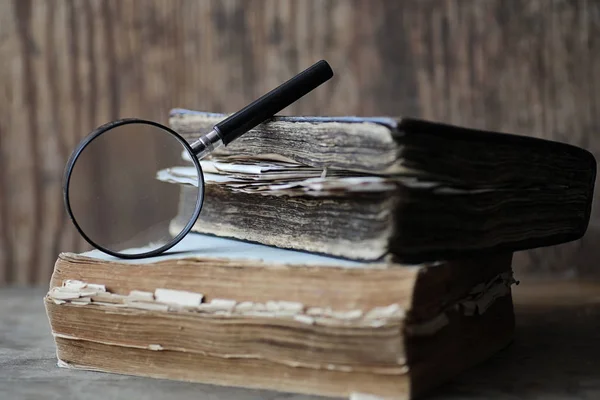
555, 355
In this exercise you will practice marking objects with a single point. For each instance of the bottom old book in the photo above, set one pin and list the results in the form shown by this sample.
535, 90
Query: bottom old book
226, 312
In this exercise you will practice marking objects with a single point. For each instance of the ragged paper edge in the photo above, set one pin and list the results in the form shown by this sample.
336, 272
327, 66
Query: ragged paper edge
168, 300
482, 296
479, 299
69, 365
315, 186
477, 302
317, 183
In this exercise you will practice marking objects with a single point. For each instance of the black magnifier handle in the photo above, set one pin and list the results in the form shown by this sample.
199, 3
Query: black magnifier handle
274, 101
263, 108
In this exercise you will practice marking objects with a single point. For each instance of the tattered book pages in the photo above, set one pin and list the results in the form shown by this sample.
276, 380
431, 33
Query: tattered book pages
375, 188
406, 217
227, 312
360, 144
265, 180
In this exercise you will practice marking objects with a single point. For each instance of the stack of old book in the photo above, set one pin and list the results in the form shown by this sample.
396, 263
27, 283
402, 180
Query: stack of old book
333, 256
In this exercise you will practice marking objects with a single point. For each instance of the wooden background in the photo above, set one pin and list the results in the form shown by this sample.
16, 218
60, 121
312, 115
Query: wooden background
529, 67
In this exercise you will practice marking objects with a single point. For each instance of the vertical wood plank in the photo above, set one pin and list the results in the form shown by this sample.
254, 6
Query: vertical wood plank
6, 47
23, 165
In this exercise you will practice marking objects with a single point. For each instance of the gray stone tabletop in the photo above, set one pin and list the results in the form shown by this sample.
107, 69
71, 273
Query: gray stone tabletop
555, 355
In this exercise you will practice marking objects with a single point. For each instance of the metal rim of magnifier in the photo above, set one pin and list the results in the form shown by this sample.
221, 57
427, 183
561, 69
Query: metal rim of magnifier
93, 135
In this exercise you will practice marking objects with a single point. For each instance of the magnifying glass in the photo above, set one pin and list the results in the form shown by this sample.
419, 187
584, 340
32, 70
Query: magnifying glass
111, 191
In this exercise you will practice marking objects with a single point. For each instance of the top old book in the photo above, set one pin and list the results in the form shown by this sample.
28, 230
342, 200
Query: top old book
408, 189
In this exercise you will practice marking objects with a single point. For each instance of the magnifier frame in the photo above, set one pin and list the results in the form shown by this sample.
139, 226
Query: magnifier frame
222, 134
96, 133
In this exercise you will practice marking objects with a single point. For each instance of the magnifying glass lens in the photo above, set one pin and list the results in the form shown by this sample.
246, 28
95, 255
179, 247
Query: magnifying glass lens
116, 197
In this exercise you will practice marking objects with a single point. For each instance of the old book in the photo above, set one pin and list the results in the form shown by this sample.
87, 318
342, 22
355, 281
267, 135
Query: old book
227, 312
367, 188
